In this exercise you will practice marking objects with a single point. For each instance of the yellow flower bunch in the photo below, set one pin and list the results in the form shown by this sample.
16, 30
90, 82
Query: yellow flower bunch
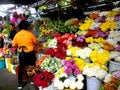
73, 50
100, 57
86, 25
98, 40
61, 71
111, 14
44, 30
78, 61
96, 64
108, 25
89, 39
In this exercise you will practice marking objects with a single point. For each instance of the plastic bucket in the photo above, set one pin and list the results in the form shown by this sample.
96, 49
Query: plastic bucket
2, 64
113, 66
93, 83
50, 87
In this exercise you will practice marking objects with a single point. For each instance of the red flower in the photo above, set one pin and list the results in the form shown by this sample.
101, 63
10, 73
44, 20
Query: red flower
76, 22
92, 33
49, 51
43, 79
56, 34
80, 44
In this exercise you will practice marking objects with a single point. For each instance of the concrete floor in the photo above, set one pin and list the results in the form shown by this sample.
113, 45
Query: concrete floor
8, 81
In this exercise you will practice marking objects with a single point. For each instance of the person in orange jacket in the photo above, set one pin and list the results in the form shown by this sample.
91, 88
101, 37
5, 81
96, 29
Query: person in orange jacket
25, 42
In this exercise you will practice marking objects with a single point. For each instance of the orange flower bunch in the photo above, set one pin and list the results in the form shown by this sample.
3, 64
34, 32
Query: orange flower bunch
94, 15
91, 33
33, 70
113, 85
108, 46
40, 60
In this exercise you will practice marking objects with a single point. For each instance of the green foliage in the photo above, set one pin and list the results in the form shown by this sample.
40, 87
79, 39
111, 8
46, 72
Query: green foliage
119, 82
62, 28
101, 88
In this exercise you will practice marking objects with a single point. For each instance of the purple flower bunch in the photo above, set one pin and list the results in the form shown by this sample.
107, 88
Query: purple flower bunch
101, 33
80, 38
70, 67
100, 19
117, 48
116, 74
117, 18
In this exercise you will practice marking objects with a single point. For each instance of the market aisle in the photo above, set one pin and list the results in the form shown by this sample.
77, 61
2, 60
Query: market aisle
8, 81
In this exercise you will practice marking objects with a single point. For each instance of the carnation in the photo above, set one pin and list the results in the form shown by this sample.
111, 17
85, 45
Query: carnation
72, 85
66, 83
80, 77
79, 85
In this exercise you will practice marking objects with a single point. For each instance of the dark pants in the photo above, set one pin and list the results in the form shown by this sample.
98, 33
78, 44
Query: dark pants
25, 59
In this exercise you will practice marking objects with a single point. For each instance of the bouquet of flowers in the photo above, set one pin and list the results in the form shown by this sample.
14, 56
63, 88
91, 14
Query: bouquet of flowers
65, 81
1, 54
51, 64
111, 81
70, 67
43, 79
33, 70
115, 56
95, 70
100, 57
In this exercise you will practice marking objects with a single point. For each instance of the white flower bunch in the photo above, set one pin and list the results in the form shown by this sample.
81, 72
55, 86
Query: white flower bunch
94, 25
114, 54
84, 53
95, 71
51, 64
69, 81
103, 13
52, 43
95, 46
117, 59
117, 25
114, 34
113, 38
108, 78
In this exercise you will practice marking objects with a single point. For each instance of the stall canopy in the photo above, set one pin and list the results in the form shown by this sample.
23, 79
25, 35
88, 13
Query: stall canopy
23, 2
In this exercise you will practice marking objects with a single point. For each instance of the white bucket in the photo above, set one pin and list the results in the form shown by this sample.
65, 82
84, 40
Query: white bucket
6, 62
93, 83
50, 87
113, 66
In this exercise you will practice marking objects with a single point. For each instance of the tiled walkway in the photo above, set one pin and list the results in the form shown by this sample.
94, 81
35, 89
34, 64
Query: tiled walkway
8, 81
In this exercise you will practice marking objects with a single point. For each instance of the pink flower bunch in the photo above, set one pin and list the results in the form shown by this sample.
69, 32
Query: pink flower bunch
116, 74
80, 38
43, 79
70, 67
13, 50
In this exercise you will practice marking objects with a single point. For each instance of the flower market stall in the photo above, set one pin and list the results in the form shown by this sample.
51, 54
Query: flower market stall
79, 53
76, 54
